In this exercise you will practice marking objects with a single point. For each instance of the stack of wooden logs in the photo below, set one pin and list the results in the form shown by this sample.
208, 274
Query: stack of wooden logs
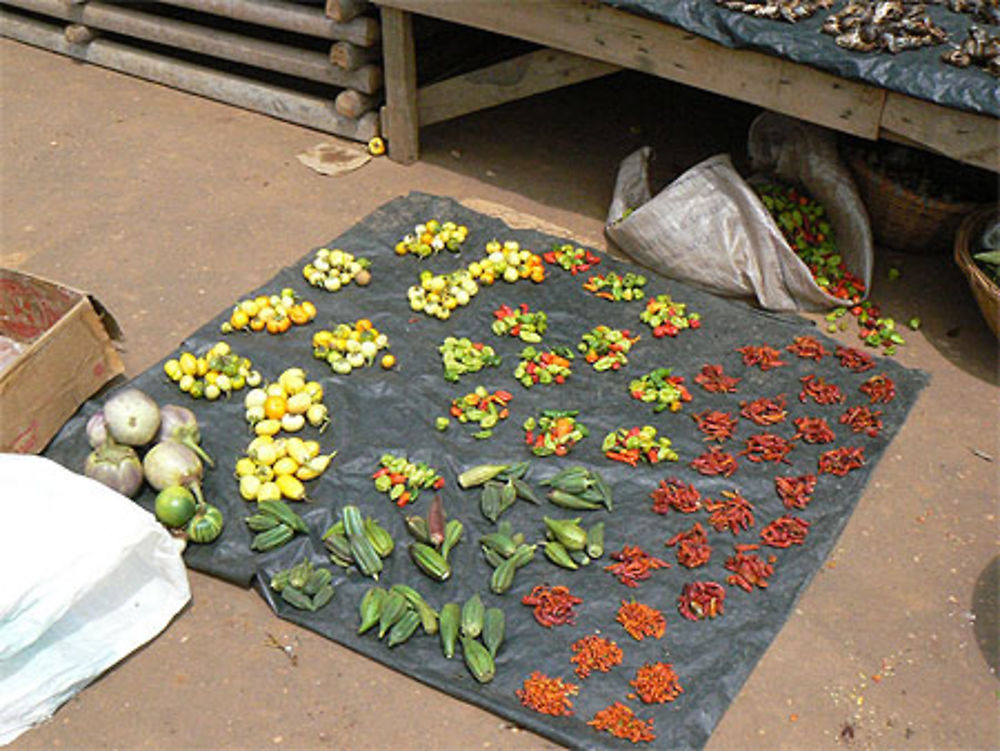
119, 36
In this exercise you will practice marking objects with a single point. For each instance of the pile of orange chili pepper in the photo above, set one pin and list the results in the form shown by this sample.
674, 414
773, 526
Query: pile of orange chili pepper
547, 695
594, 652
734, 513
701, 600
633, 565
714, 380
795, 492
621, 722
641, 620
879, 388
657, 683
674, 494
767, 447
785, 531
842, 460
749, 569
693, 549
715, 461
863, 420
764, 357
765, 411
716, 425
553, 606
821, 392
813, 430
808, 347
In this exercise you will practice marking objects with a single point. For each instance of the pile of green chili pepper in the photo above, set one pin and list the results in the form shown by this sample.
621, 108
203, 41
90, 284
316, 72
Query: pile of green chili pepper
555, 431
544, 366
574, 260
668, 317
520, 322
632, 445
660, 389
403, 480
606, 348
461, 356
617, 287
481, 407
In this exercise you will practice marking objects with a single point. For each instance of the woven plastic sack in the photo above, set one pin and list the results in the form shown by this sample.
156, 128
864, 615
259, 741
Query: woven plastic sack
708, 227
89, 577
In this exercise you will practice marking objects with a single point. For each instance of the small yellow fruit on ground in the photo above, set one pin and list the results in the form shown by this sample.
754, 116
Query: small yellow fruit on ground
388, 361
376, 146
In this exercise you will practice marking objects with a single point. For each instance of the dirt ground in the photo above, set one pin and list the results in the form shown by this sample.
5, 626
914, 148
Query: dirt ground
168, 207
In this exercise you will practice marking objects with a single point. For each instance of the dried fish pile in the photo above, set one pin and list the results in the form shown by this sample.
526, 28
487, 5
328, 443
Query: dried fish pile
777, 10
982, 11
890, 25
979, 49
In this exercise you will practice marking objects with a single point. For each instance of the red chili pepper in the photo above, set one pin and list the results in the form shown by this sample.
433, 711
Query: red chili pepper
714, 380
855, 360
813, 430
785, 532
795, 492
693, 549
863, 420
656, 683
715, 462
820, 391
701, 599
641, 620
767, 447
633, 565
842, 460
716, 425
879, 388
594, 652
553, 606
765, 411
808, 347
674, 494
749, 569
735, 513
765, 357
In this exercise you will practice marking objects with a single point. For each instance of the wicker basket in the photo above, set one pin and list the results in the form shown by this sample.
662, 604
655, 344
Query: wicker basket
903, 220
987, 294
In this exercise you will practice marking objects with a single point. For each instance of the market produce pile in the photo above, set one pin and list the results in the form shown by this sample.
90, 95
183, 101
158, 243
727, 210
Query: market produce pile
578, 556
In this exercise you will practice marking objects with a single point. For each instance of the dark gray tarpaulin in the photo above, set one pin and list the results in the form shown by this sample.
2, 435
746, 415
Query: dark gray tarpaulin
375, 411
919, 73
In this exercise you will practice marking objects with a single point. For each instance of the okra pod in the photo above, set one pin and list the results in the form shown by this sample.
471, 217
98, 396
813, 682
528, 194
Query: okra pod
404, 628
449, 624
478, 660
494, 628
473, 612
322, 596
371, 608
297, 598
558, 554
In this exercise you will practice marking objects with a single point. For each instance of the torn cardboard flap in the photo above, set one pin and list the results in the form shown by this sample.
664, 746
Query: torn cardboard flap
70, 353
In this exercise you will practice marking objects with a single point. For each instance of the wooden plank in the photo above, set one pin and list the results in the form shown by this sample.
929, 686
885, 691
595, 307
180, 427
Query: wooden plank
297, 62
277, 14
963, 136
601, 32
284, 104
342, 11
400, 61
533, 73
347, 56
351, 103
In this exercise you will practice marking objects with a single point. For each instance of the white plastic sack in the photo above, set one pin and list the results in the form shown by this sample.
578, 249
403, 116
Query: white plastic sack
708, 227
88, 577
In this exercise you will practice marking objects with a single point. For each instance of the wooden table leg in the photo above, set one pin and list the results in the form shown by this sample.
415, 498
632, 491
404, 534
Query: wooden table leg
400, 63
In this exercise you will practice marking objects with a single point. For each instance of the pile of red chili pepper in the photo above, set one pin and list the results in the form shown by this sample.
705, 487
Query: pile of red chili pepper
803, 223
767, 447
555, 431
854, 359
842, 460
633, 565
656, 683
674, 494
715, 461
553, 606
764, 357
547, 695
641, 620
795, 492
785, 531
816, 388
701, 600
667, 317
879, 388
606, 348
716, 425
765, 411
813, 430
667, 391
594, 652
572, 259
621, 722
617, 287
635, 444
863, 420
808, 347
749, 569
734, 513
713, 379
693, 549
544, 366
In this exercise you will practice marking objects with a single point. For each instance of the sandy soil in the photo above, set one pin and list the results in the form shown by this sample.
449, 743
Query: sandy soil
168, 206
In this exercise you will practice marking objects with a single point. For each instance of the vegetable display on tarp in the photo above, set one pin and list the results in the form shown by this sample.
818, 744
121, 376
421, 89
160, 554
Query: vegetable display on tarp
592, 598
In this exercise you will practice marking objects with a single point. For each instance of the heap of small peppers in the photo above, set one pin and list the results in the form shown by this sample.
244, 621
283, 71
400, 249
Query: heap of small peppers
402, 480
572, 259
661, 389
544, 366
668, 317
606, 348
554, 431
632, 445
616, 287
520, 322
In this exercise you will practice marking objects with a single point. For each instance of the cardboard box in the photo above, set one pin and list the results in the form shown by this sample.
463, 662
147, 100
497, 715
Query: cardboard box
67, 342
